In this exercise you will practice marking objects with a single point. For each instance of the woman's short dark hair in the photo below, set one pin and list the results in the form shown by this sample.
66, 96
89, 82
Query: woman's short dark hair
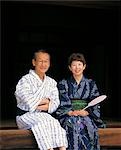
76, 57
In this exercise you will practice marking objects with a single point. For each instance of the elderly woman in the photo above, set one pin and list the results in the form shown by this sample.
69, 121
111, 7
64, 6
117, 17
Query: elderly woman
75, 93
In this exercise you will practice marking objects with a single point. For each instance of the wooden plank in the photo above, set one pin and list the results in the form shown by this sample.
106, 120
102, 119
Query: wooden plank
110, 137
24, 138
11, 124
17, 139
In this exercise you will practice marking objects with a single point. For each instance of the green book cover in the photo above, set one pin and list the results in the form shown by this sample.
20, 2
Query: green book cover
78, 104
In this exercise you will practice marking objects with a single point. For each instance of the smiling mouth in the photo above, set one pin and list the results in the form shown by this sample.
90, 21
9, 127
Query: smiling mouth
43, 68
77, 71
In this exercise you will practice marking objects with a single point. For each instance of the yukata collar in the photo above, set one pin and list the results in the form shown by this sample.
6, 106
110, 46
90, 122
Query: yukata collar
72, 80
32, 72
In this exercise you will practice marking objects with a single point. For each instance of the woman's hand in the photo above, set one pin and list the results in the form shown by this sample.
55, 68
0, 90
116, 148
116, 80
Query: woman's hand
70, 113
82, 113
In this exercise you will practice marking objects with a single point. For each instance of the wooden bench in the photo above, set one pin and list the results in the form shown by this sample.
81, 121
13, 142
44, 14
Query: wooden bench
15, 138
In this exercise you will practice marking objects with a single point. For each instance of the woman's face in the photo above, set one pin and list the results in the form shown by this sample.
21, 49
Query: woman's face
77, 67
42, 63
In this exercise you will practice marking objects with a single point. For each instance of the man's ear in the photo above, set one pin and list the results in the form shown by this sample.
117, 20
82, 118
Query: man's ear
33, 62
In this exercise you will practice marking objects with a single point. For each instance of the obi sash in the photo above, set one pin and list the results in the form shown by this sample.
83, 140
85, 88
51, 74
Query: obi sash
20, 112
78, 104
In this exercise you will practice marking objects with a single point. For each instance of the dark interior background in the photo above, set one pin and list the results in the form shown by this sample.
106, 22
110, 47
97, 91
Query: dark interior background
92, 28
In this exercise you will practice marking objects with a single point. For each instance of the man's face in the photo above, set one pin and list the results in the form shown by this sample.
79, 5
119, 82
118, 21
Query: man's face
41, 63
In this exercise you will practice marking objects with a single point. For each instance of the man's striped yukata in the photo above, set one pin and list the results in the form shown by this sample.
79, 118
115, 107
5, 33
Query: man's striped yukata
30, 90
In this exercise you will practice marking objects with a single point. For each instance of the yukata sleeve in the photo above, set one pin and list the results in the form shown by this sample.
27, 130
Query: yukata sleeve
26, 98
94, 112
54, 98
65, 103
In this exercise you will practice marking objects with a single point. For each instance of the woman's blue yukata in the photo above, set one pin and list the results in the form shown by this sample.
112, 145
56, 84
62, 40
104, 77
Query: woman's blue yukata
82, 132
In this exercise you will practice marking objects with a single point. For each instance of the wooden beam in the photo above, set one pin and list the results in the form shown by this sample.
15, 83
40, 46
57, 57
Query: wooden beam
16, 138
110, 137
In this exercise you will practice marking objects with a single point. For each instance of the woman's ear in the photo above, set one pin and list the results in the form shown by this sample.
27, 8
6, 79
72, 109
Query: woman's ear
84, 67
69, 68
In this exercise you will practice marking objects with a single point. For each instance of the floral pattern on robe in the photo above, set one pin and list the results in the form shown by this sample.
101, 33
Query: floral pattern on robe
81, 131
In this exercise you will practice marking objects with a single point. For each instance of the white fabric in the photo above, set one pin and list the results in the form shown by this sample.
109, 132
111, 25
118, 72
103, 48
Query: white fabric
30, 90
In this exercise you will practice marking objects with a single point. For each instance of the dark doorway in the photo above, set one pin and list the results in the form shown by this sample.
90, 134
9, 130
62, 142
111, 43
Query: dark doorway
62, 28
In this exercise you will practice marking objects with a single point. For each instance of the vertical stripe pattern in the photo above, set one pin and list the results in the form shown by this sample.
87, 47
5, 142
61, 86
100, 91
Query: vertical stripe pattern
30, 90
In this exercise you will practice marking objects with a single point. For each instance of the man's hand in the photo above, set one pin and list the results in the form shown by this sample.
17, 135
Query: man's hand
43, 105
44, 101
